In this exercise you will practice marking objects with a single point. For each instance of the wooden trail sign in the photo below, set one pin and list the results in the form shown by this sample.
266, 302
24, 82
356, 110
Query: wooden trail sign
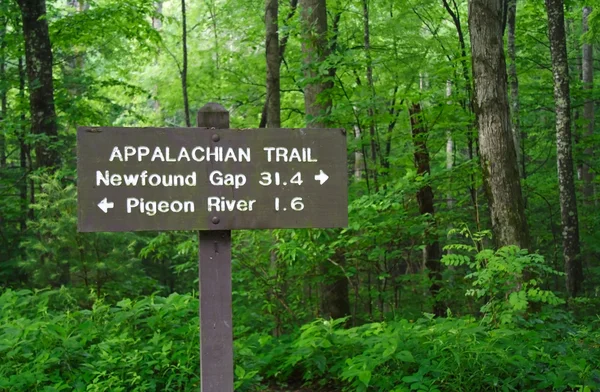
211, 179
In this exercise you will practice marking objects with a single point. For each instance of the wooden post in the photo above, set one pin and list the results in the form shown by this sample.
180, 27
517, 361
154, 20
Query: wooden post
216, 334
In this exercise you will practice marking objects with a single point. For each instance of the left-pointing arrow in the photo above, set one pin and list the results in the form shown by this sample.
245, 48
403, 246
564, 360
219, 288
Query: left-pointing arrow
105, 205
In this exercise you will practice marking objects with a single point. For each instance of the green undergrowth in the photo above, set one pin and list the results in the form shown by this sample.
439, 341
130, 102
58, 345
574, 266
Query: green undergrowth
449, 354
47, 343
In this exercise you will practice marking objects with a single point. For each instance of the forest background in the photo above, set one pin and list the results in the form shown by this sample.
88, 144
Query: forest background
471, 258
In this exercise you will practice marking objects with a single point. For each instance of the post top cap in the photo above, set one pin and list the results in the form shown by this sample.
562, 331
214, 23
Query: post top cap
212, 107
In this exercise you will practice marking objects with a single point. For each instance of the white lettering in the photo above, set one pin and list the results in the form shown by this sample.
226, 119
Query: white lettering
281, 154
183, 154
230, 155
115, 180
142, 152
116, 153
166, 180
132, 202
154, 180
190, 180
176, 206
216, 154
101, 178
157, 155
295, 155
269, 150
169, 158
244, 155
306, 152
196, 158
129, 152
218, 179
220, 204
131, 179
151, 207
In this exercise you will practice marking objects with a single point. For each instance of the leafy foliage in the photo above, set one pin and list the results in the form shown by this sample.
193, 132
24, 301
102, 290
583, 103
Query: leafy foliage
102, 311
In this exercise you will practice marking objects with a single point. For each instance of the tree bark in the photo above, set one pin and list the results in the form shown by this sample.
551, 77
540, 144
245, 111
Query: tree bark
449, 148
588, 110
156, 21
23, 154
273, 106
514, 85
564, 156
273, 102
184, 66
38, 59
315, 47
358, 155
282, 46
432, 253
3, 89
370, 110
498, 157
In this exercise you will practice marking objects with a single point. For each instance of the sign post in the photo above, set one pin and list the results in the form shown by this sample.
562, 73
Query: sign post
212, 179
214, 258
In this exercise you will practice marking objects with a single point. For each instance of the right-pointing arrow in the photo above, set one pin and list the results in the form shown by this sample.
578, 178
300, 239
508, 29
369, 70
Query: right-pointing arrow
321, 177
105, 205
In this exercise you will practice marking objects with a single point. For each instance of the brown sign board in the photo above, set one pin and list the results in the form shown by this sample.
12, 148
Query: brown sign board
133, 179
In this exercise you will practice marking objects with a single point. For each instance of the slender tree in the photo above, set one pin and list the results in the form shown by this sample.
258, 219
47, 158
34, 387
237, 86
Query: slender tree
449, 147
371, 87
498, 157
564, 156
38, 60
3, 84
587, 76
156, 20
454, 13
273, 102
282, 46
432, 253
24, 159
315, 48
184, 65
514, 84
317, 102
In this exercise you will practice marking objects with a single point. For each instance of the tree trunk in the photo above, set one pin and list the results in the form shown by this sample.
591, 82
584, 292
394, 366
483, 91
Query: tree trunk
38, 59
273, 108
184, 66
432, 253
514, 85
588, 111
449, 148
282, 46
496, 146
317, 100
358, 155
273, 102
23, 153
566, 183
468, 105
315, 47
3, 89
370, 111
156, 21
